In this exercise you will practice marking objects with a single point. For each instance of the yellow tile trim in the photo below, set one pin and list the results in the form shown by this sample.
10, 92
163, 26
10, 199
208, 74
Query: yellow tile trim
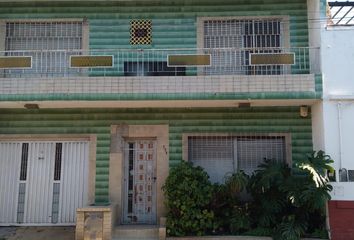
182, 60
272, 58
83, 61
18, 62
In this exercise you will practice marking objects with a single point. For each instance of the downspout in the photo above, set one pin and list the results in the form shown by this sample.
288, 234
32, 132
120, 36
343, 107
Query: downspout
339, 109
339, 116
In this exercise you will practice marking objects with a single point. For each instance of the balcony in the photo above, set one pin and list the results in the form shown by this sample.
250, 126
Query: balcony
155, 75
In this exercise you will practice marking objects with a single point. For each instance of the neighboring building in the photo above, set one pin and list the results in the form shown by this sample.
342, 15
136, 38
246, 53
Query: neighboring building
334, 117
99, 98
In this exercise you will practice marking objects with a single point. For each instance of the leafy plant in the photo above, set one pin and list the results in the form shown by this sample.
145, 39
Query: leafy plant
288, 199
236, 183
231, 213
269, 201
240, 220
291, 228
317, 164
319, 233
286, 203
188, 193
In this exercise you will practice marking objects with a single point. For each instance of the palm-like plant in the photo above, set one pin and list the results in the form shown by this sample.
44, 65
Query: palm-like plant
317, 165
286, 198
309, 185
291, 228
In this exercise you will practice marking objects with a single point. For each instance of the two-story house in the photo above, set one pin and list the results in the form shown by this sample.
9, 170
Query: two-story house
98, 99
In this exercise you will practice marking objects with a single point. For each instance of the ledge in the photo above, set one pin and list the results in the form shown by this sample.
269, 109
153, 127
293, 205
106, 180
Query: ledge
95, 209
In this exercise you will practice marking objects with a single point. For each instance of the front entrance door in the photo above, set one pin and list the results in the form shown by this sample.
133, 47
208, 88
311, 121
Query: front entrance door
140, 182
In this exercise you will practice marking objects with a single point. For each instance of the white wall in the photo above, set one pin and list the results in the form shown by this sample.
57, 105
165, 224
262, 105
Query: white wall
338, 60
335, 115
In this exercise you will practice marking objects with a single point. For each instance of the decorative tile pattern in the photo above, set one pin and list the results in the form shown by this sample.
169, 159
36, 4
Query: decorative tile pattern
140, 32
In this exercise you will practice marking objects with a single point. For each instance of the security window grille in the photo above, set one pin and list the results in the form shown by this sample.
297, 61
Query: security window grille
220, 155
245, 36
252, 151
33, 36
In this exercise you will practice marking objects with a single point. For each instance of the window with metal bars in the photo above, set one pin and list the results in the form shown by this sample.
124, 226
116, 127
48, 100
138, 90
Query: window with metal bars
57, 162
27, 38
156, 68
24, 162
236, 39
221, 155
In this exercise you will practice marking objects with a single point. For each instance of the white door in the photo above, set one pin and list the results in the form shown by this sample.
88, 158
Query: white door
44, 182
39, 191
10, 159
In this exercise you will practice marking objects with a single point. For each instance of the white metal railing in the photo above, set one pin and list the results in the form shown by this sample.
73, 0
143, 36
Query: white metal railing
226, 61
147, 71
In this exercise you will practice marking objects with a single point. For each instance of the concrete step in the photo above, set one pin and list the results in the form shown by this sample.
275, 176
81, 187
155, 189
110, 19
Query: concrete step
135, 232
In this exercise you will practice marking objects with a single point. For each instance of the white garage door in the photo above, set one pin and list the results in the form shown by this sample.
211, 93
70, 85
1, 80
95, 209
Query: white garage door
42, 182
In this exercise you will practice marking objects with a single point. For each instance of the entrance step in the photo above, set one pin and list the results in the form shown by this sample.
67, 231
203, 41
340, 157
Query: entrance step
135, 232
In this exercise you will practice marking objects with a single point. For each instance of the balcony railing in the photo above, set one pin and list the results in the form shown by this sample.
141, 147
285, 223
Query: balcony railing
153, 72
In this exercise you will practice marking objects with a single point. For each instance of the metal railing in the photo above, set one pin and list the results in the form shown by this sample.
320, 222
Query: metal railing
225, 61
148, 72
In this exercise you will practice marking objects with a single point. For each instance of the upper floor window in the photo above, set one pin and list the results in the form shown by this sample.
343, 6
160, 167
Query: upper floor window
231, 40
46, 41
240, 34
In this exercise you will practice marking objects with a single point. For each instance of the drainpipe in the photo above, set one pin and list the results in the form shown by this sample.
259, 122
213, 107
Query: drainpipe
339, 109
339, 113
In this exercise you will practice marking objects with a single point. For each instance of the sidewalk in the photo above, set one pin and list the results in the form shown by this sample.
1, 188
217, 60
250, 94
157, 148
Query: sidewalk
37, 233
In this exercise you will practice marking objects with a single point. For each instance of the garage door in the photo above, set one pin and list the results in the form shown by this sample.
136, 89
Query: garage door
42, 182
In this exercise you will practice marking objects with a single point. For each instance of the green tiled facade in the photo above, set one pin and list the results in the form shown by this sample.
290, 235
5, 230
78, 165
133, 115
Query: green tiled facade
174, 26
200, 120
174, 22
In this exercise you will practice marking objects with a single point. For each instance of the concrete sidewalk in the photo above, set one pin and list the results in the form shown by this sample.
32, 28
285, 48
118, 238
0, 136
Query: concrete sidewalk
37, 233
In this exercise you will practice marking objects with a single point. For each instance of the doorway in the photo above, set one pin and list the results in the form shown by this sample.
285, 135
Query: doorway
139, 195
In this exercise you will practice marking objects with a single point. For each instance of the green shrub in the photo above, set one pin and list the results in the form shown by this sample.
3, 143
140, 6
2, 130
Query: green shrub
240, 220
319, 233
231, 212
188, 193
235, 183
283, 202
292, 200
